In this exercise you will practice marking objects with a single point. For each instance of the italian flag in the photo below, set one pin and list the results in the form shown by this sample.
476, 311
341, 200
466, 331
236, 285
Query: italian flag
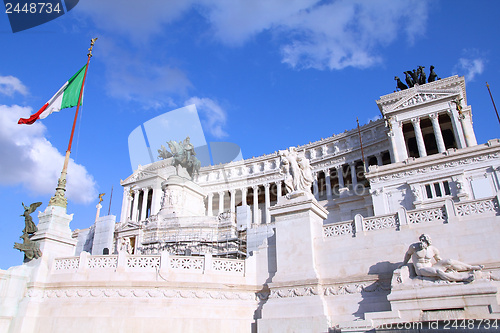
66, 97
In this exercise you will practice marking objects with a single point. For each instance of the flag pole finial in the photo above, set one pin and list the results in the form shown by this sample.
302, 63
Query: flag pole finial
92, 41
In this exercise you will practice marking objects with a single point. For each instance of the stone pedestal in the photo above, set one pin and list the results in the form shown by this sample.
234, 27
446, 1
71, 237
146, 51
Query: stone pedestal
296, 303
103, 234
181, 198
54, 234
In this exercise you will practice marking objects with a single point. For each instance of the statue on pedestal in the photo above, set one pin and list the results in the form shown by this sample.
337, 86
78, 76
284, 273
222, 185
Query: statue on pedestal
297, 170
183, 156
423, 252
30, 248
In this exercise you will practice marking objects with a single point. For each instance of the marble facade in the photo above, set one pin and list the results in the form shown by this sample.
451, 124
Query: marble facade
229, 252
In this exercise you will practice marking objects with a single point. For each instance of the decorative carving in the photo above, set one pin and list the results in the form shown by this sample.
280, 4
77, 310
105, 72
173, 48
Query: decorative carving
294, 292
339, 229
102, 262
142, 293
228, 265
427, 215
445, 165
417, 192
381, 222
64, 264
423, 252
187, 263
476, 207
143, 262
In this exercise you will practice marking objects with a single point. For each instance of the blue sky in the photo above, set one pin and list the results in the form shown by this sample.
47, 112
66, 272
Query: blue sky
264, 74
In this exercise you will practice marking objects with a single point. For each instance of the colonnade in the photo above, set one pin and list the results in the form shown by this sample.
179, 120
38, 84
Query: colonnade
139, 204
344, 176
461, 126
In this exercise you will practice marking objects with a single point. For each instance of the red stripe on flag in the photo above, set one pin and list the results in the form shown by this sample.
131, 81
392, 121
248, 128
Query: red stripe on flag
33, 117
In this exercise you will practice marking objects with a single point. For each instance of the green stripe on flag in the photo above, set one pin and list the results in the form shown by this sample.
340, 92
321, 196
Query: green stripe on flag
72, 91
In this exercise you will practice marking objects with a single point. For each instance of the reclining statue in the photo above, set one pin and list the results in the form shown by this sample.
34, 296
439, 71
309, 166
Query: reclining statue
423, 252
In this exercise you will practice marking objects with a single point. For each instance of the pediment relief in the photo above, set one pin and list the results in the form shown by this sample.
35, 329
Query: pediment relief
128, 226
420, 98
139, 175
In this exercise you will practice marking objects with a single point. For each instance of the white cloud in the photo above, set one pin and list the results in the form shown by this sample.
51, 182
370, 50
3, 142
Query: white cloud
311, 33
320, 34
137, 19
9, 85
470, 67
131, 78
30, 160
212, 115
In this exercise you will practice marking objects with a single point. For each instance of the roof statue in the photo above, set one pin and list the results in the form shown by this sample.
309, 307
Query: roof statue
432, 75
297, 170
183, 156
422, 254
30, 248
416, 77
29, 226
100, 197
400, 84
421, 75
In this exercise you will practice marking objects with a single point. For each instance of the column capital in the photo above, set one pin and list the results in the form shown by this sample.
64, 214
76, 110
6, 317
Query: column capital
210, 194
221, 193
278, 182
415, 120
254, 187
267, 185
434, 116
232, 191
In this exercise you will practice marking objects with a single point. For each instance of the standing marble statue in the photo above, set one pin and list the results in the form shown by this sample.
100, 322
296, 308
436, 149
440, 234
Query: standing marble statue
297, 170
422, 254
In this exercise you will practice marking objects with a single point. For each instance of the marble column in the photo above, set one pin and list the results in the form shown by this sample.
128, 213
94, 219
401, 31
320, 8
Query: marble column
466, 121
420, 138
379, 159
315, 186
340, 176
437, 132
328, 184
457, 129
354, 178
255, 204
155, 201
399, 152
210, 198
267, 202
278, 189
221, 202
232, 207
144, 210
135, 209
244, 196
125, 205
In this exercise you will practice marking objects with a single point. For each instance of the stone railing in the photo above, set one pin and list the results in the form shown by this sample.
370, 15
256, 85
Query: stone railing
449, 212
150, 263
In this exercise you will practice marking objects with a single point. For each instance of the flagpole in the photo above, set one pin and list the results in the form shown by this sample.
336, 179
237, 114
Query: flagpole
59, 199
488, 86
361, 145
110, 197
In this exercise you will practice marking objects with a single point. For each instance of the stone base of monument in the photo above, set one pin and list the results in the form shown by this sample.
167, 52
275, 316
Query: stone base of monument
54, 234
182, 197
417, 299
296, 303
